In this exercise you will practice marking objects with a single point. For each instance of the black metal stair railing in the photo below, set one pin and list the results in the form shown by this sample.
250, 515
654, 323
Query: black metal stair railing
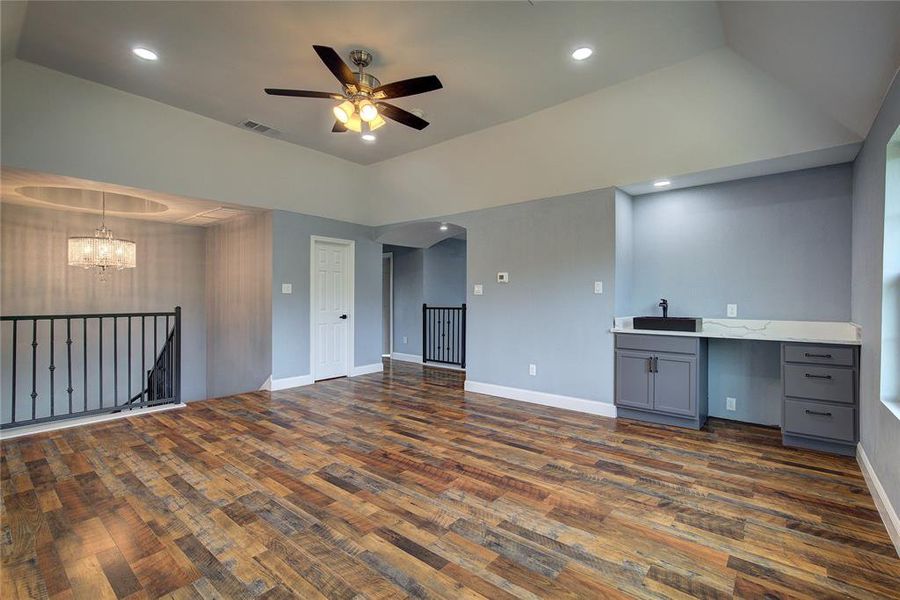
444, 334
101, 358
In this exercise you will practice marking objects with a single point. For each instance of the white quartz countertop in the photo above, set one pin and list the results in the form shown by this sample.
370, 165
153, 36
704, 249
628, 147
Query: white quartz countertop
815, 332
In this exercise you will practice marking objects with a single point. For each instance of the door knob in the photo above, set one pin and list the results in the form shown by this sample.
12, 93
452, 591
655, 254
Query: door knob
343, 316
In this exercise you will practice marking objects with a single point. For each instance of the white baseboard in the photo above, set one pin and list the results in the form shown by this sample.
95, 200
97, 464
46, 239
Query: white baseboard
267, 384
413, 358
290, 382
78, 422
366, 369
577, 404
882, 502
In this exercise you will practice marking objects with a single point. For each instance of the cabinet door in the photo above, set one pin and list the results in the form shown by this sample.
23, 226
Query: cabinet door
675, 384
634, 379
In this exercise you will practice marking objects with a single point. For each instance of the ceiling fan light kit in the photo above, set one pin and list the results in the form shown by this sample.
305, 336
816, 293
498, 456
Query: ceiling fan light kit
362, 108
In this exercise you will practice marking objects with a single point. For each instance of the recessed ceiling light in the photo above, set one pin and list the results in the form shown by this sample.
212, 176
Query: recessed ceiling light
145, 53
443, 227
662, 183
582, 53
368, 137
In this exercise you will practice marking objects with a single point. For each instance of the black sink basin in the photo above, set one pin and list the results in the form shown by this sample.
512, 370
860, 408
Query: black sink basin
669, 323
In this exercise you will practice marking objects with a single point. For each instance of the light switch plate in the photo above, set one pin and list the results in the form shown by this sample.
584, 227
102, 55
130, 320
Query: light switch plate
532, 369
287, 288
730, 403
731, 310
405, 340
598, 287
478, 289
502, 277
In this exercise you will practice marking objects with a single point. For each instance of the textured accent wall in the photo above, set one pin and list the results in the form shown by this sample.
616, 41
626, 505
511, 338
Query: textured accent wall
239, 304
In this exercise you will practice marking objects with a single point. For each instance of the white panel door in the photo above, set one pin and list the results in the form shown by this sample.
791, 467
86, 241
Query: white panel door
331, 310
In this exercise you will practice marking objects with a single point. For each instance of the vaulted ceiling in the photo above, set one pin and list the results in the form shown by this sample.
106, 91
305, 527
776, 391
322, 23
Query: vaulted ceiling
691, 91
498, 61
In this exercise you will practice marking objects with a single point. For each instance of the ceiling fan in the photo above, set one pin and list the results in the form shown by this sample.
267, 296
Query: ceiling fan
362, 108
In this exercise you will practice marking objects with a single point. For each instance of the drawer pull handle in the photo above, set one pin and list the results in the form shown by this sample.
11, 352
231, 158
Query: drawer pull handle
811, 355
811, 376
815, 412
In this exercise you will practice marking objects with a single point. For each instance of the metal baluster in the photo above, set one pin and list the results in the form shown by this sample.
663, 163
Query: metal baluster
178, 354
100, 358
155, 354
168, 362
462, 344
69, 389
146, 389
115, 361
85, 361
52, 369
15, 350
129, 360
34, 345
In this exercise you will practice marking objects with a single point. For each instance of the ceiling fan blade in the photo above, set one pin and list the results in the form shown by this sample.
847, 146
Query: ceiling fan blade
408, 87
337, 66
402, 116
303, 94
338, 127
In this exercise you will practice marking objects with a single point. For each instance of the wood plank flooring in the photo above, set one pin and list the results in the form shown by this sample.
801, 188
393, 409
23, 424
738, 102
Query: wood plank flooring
401, 485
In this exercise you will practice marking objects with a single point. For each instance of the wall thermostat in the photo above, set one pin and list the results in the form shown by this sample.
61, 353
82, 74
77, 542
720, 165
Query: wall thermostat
502, 277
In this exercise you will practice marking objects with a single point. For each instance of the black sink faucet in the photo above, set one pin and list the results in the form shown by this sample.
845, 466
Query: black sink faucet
664, 304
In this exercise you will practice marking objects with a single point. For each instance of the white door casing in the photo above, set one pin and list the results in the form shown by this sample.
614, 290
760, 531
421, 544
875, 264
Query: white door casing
331, 307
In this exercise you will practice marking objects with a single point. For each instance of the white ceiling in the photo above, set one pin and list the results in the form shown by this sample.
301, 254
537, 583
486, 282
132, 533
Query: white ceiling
32, 188
497, 60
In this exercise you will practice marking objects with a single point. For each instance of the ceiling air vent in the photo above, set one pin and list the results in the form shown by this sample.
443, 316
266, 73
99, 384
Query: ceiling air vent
210, 217
259, 128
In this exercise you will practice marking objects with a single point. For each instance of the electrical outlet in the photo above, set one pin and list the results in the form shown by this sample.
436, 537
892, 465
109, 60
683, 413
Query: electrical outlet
477, 289
532, 369
598, 287
730, 403
731, 310
287, 288
405, 339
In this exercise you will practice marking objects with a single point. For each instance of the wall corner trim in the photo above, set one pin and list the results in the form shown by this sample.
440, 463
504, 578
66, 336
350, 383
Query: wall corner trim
367, 369
593, 407
290, 382
879, 495
413, 358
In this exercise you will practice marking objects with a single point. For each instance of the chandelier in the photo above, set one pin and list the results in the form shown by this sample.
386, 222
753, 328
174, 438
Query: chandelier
102, 251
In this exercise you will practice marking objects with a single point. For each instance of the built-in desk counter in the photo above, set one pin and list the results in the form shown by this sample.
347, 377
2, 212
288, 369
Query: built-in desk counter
661, 376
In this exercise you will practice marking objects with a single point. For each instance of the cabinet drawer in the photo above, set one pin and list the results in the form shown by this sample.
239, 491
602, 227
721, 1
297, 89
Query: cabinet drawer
820, 355
834, 384
820, 420
658, 343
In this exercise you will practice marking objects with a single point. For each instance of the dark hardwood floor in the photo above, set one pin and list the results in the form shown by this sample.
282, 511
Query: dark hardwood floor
400, 485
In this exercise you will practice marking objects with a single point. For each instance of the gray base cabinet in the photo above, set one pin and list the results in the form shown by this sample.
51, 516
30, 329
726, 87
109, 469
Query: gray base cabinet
661, 379
820, 408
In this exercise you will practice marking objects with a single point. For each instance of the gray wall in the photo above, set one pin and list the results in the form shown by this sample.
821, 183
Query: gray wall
624, 282
879, 427
37, 280
408, 298
290, 312
554, 250
239, 304
444, 273
778, 246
